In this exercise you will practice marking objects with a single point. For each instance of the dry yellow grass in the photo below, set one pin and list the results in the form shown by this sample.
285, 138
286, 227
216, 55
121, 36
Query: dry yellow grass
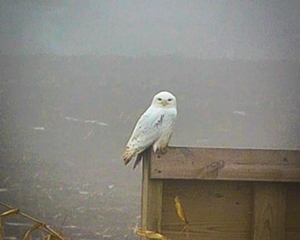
181, 214
37, 226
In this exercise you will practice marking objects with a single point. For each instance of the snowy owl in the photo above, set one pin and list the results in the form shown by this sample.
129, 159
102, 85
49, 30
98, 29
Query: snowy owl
154, 128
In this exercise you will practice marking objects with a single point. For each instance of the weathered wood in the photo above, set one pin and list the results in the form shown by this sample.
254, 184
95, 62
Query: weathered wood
258, 199
227, 164
269, 211
292, 218
151, 198
214, 209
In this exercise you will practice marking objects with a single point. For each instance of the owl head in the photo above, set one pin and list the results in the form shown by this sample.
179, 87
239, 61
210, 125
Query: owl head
164, 100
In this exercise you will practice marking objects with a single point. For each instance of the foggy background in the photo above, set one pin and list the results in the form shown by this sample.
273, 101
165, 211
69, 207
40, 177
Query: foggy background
76, 75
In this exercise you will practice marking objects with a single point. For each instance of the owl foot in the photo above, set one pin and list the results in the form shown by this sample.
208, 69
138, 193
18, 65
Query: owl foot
162, 151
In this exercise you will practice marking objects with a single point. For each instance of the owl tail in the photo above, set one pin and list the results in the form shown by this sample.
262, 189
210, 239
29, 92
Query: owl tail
127, 156
138, 159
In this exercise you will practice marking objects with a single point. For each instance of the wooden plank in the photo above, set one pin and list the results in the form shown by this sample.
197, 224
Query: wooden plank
227, 164
292, 223
269, 211
151, 198
214, 209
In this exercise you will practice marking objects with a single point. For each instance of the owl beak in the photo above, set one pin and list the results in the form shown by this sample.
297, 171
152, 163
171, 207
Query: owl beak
164, 103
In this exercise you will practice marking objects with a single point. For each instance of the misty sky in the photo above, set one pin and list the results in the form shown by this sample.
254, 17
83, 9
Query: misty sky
206, 29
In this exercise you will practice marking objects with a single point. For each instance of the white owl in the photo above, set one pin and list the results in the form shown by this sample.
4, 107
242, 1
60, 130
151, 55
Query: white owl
154, 128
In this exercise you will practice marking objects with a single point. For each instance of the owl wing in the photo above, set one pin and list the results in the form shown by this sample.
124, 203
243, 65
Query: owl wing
146, 130
145, 133
164, 126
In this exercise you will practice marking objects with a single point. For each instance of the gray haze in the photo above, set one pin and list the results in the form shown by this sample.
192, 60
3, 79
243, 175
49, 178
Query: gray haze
204, 29
76, 75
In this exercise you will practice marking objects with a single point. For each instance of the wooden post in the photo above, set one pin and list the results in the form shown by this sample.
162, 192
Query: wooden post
151, 198
269, 211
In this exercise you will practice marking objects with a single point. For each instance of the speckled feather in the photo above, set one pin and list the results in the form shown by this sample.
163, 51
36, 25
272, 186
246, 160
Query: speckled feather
154, 128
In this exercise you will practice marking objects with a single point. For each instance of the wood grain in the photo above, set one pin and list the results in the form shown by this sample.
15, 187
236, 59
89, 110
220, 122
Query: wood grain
151, 199
292, 218
269, 211
214, 209
227, 164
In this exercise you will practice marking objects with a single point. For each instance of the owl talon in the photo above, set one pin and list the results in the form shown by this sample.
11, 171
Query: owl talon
163, 151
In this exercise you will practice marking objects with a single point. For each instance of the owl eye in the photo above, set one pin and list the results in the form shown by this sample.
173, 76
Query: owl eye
170, 99
159, 99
